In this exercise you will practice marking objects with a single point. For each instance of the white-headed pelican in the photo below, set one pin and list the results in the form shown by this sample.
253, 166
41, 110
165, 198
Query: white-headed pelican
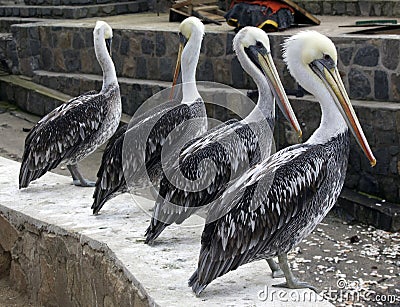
160, 121
232, 146
75, 129
278, 202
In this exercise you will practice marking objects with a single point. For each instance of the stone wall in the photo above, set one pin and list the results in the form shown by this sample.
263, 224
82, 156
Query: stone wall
384, 8
62, 269
8, 53
381, 125
369, 67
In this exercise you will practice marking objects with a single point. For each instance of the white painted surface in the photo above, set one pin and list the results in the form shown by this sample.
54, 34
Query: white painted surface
163, 269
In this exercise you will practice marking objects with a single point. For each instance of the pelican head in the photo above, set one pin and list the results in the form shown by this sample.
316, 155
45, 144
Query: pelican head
103, 30
189, 27
253, 43
312, 60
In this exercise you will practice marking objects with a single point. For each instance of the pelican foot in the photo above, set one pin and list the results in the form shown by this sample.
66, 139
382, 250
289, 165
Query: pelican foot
275, 269
278, 274
84, 183
296, 284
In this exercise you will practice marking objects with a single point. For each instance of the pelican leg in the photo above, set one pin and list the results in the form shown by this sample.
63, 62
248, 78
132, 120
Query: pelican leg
77, 177
275, 268
291, 281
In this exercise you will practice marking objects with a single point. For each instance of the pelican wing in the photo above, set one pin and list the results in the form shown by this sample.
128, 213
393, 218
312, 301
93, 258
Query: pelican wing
60, 134
110, 179
250, 216
122, 163
229, 149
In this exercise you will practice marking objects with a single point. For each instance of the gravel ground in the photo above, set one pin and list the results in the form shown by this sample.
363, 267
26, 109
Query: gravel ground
351, 264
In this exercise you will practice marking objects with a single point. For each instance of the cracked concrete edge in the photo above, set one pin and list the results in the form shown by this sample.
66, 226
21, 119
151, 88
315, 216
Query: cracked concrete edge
17, 219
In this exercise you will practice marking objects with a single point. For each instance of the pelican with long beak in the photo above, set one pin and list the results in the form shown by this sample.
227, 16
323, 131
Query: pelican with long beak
75, 129
127, 153
278, 202
233, 147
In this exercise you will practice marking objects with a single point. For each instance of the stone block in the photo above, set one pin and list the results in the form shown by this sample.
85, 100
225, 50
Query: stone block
5, 262
352, 9
124, 46
8, 234
381, 86
141, 68
367, 56
18, 277
160, 44
345, 55
147, 46
338, 8
395, 86
359, 84
390, 59
214, 45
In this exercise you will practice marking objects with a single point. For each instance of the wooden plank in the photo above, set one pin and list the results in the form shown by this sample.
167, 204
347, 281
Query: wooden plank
197, 2
301, 15
206, 8
212, 16
180, 4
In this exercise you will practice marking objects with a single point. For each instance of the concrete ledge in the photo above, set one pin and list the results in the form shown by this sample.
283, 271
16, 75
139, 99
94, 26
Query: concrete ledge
63, 255
369, 210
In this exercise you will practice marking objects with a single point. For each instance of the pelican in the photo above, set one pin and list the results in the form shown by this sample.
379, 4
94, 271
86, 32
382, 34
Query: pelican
161, 121
76, 128
232, 146
278, 202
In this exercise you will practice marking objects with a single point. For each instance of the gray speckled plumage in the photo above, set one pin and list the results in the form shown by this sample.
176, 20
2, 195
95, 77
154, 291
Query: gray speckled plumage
70, 132
131, 162
305, 183
232, 147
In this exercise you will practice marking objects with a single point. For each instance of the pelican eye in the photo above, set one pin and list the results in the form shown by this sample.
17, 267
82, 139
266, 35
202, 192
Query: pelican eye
327, 57
259, 44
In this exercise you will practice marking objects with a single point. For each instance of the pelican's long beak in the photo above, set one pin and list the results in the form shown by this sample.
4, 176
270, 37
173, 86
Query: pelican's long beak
329, 74
267, 65
108, 45
182, 42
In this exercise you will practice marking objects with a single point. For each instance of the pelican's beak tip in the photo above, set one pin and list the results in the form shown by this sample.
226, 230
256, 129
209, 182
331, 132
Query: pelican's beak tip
373, 162
300, 133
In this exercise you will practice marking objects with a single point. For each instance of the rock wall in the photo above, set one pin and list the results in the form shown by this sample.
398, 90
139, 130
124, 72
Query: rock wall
382, 129
369, 67
385, 8
57, 269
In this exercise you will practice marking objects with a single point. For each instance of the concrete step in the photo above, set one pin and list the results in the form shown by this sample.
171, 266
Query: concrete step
29, 96
145, 47
32, 97
133, 91
74, 11
380, 121
7, 22
67, 2
8, 53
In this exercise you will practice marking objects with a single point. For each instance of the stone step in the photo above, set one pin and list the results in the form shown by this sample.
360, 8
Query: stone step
67, 2
8, 53
32, 97
7, 22
74, 11
380, 121
133, 91
145, 47
29, 96
384, 8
